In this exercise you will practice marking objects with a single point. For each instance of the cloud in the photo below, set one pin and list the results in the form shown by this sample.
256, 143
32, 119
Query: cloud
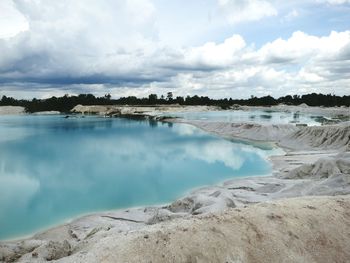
12, 21
114, 46
85, 42
301, 47
237, 11
291, 15
302, 63
334, 2
16, 189
211, 55
213, 152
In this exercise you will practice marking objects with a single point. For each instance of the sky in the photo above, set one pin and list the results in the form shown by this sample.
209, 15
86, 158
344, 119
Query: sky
215, 48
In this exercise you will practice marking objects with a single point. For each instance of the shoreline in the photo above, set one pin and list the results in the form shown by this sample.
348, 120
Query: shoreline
136, 207
284, 182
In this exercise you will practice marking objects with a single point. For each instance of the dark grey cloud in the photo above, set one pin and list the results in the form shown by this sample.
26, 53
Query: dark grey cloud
274, 59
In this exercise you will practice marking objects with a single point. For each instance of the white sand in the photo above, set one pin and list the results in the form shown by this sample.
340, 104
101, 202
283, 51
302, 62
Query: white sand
11, 110
309, 229
195, 228
135, 110
296, 230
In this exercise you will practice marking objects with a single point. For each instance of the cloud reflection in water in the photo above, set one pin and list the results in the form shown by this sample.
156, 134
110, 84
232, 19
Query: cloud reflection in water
66, 167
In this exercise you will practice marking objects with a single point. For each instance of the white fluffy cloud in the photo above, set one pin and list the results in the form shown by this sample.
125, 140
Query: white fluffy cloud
11, 21
301, 46
213, 54
300, 64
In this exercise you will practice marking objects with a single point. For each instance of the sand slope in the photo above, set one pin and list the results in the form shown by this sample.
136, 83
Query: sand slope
325, 137
297, 230
292, 230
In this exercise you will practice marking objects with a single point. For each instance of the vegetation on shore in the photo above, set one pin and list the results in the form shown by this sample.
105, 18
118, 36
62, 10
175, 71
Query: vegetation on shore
67, 102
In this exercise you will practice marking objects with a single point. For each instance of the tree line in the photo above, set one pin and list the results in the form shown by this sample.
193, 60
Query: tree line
67, 102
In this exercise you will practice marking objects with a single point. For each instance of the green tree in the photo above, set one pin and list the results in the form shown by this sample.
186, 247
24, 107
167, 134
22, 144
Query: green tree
152, 99
108, 96
169, 96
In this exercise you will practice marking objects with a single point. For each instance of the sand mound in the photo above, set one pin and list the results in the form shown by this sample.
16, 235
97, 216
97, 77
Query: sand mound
92, 109
250, 131
321, 137
323, 168
294, 230
303, 105
327, 137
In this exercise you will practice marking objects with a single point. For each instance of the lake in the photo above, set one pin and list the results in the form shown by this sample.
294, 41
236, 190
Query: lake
53, 169
256, 116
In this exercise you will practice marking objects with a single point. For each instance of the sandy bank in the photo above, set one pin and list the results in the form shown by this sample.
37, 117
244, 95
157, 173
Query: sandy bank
11, 110
309, 229
195, 228
114, 110
295, 230
327, 137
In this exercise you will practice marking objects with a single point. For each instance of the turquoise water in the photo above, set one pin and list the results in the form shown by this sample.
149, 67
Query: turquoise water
272, 117
53, 169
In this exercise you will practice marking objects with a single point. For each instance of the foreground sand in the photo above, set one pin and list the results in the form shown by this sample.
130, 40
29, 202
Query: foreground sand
293, 230
195, 228
296, 230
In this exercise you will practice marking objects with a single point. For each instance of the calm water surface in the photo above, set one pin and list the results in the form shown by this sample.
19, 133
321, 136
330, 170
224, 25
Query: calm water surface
53, 169
258, 116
